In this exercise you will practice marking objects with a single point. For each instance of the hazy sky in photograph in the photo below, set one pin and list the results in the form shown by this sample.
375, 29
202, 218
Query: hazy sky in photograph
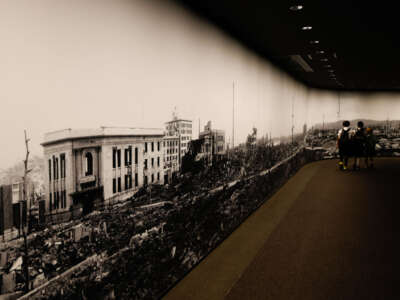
87, 63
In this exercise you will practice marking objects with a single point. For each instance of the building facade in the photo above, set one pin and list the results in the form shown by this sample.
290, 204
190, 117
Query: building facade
12, 210
171, 157
183, 129
213, 143
87, 166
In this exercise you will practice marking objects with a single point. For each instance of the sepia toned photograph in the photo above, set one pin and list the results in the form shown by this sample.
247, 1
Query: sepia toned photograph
182, 149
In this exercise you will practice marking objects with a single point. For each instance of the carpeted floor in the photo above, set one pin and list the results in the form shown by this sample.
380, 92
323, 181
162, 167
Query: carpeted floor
325, 234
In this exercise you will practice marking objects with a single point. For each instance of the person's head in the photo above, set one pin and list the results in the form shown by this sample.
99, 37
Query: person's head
360, 124
369, 130
346, 123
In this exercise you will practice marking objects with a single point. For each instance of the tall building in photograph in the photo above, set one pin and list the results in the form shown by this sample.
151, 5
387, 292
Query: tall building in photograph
183, 129
87, 166
171, 157
213, 143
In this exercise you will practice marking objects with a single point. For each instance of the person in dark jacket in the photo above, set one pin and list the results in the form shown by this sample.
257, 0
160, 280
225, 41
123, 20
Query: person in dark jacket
358, 141
344, 145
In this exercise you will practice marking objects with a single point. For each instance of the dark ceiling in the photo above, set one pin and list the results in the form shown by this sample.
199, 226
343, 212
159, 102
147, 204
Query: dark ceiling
359, 41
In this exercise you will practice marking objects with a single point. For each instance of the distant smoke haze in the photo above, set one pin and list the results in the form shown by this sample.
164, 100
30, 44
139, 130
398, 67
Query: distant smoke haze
73, 64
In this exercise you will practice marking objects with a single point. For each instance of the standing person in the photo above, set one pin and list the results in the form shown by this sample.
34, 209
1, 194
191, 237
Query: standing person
359, 144
370, 142
343, 143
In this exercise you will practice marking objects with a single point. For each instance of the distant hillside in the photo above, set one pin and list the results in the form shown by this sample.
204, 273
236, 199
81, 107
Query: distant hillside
338, 124
15, 173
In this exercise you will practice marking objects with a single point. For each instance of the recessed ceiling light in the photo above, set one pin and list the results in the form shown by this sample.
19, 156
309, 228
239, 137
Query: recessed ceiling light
296, 7
324, 59
330, 70
320, 52
306, 28
314, 42
327, 66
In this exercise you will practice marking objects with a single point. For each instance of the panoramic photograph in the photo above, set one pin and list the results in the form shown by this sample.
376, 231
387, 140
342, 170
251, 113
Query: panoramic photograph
197, 150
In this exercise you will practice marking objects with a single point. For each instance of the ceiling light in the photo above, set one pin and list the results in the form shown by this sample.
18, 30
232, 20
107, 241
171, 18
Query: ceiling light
330, 70
314, 42
320, 52
296, 7
324, 59
327, 66
306, 28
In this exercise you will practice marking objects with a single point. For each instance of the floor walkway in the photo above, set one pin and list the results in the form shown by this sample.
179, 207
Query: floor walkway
324, 235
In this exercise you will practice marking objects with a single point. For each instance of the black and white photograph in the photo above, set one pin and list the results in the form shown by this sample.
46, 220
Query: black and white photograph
182, 149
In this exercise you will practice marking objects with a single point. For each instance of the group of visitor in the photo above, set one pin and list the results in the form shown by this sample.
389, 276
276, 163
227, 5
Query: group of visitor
359, 142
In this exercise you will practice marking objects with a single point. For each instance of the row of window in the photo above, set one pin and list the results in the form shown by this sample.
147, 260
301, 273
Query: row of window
117, 186
128, 183
152, 178
183, 131
127, 157
152, 162
152, 146
60, 199
172, 158
179, 125
171, 143
54, 164
172, 151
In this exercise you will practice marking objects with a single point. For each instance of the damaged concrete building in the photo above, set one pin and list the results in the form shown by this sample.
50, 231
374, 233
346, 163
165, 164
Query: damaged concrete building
88, 166
171, 147
183, 129
213, 145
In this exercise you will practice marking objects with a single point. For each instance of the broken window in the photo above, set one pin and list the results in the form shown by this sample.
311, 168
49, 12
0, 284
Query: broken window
62, 158
88, 164
119, 157
49, 169
114, 157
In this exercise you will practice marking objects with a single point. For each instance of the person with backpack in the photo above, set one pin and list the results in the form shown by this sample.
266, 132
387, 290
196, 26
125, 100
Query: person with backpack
344, 145
359, 141
370, 142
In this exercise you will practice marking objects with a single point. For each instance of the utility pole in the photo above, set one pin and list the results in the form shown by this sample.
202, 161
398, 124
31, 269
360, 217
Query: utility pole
292, 117
24, 228
233, 117
338, 112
